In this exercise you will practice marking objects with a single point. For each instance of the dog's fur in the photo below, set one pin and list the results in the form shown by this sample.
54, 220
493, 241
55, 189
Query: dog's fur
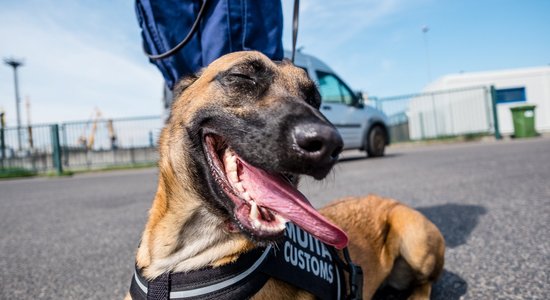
253, 103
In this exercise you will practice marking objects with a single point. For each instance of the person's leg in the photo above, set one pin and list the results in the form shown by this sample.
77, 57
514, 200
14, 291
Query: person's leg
227, 26
237, 25
164, 24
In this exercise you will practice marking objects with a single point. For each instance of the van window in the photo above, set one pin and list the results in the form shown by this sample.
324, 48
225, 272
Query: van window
332, 89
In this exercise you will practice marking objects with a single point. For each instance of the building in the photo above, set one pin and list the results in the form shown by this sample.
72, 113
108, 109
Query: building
514, 87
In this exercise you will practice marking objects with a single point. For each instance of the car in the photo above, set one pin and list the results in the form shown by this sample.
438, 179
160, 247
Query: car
361, 126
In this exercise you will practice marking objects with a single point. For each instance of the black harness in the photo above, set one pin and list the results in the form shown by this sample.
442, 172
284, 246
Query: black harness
301, 260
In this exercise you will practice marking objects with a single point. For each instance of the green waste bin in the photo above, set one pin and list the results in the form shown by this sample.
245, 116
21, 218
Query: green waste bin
524, 121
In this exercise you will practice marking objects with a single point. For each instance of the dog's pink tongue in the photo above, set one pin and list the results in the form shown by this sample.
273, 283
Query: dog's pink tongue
273, 192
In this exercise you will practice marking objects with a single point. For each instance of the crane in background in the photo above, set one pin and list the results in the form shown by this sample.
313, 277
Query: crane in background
112, 134
87, 140
91, 138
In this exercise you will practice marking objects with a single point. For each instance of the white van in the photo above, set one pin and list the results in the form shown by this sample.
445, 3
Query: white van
362, 127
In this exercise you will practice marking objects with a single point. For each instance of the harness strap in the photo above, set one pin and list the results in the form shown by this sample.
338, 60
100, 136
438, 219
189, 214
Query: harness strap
301, 261
226, 282
159, 288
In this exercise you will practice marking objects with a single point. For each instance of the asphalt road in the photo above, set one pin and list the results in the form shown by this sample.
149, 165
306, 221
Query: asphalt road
74, 237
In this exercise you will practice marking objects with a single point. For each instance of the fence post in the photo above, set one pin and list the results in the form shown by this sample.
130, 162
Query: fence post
2, 139
436, 127
56, 149
64, 150
377, 103
498, 136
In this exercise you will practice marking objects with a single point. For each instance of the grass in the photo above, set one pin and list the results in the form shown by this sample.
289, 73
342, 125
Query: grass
12, 172
117, 167
471, 137
22, 172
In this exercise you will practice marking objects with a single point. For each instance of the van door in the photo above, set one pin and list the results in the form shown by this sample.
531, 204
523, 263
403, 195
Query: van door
339, 106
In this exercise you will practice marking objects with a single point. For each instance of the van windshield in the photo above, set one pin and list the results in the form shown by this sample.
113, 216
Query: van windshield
332, 89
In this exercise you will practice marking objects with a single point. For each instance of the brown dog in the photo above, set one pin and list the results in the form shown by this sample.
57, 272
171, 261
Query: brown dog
238, 137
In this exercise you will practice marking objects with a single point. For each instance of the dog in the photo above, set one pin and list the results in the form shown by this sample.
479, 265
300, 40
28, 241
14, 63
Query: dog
239, 136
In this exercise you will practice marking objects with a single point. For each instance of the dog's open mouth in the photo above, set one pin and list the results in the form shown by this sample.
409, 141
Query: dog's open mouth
264, 201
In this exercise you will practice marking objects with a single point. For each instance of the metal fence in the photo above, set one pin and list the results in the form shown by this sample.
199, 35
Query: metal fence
113, 142
80, 145
26, 147
440, 114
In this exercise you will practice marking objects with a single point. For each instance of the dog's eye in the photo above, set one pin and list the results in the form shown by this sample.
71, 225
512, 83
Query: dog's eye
239, 77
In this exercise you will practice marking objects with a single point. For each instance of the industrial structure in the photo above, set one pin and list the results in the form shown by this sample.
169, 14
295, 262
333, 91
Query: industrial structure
436, 114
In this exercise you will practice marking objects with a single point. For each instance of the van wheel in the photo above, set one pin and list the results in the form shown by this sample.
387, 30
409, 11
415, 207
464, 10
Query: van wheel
376, 142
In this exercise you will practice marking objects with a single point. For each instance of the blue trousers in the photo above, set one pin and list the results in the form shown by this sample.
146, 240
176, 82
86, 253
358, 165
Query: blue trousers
227, 26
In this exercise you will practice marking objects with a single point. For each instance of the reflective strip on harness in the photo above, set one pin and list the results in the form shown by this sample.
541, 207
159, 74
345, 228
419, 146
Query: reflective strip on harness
223, 284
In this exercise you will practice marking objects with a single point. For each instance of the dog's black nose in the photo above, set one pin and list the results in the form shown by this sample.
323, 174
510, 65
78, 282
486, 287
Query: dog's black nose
318, 142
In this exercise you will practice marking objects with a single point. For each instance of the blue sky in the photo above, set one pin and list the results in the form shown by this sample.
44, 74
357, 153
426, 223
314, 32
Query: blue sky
85, 54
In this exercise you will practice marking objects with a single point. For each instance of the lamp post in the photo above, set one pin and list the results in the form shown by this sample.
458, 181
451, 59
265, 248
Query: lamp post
14, 63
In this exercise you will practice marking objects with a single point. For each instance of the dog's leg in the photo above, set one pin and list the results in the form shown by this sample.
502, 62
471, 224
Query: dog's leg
393, 244
364, 220
421, 292
421, 250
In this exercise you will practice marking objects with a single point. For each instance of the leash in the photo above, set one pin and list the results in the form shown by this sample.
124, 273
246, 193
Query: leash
185, 40
195, 26
295, 27
355, 278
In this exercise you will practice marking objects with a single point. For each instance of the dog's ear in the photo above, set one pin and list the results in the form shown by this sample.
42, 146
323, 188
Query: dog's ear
183, 84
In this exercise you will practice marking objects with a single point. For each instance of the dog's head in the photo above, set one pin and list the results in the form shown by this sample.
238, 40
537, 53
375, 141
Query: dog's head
242, 131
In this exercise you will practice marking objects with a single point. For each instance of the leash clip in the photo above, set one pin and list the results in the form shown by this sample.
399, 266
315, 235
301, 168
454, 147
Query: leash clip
355, 278
355, 282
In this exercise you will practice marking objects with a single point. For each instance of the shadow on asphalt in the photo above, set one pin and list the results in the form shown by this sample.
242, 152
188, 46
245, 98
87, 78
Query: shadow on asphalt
450, 286
455, 221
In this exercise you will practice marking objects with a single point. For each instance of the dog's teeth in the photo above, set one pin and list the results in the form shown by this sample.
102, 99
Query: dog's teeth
239, 186
231, 163
247, 197
230, 167
256, 224
274, 227
281, 223
233, 177
254, 212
